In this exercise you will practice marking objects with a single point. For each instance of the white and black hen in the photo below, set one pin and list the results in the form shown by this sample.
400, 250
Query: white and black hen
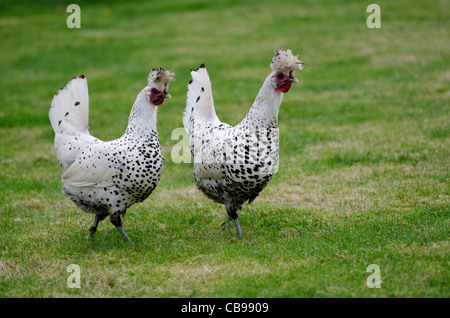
106, 178
232, 165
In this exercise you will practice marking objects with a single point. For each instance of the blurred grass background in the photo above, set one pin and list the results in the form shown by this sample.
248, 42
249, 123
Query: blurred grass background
364, 149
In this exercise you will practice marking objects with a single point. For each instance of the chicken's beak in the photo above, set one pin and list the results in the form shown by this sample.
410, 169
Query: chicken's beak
292, 79
166, 95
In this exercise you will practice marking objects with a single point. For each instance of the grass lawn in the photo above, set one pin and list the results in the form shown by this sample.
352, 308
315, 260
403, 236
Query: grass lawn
364, 149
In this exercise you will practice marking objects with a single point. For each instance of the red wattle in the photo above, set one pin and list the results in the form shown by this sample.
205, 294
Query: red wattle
285, 87
158, 101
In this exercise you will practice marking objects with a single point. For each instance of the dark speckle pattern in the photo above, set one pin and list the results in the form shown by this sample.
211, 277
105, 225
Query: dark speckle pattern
106, 178
135, 165
232, 165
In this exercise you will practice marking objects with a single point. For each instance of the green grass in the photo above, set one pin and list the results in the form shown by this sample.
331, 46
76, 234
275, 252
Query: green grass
364, 150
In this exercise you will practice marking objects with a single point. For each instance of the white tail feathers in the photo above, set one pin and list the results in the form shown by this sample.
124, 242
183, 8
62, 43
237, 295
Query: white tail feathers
69, 115
70, 108
200, 103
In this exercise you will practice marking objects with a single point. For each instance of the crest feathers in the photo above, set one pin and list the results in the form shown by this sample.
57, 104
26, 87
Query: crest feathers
284, 60
160, 75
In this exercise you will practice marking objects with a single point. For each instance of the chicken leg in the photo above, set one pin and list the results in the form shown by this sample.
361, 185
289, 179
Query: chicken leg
233, 214
93, 228
117, 220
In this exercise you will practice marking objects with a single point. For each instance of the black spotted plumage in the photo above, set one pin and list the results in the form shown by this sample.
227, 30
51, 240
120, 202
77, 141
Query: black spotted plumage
232, 165
106, 178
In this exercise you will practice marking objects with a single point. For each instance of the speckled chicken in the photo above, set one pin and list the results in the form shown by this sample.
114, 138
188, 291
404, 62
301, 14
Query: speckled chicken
232, 165
106, 178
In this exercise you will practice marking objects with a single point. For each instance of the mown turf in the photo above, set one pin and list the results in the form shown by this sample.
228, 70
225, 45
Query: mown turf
364, 150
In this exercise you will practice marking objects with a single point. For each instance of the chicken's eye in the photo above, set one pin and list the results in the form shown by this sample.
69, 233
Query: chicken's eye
154, 91
280, 75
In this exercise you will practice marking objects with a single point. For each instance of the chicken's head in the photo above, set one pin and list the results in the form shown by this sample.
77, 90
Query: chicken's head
158, 85
284, 64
